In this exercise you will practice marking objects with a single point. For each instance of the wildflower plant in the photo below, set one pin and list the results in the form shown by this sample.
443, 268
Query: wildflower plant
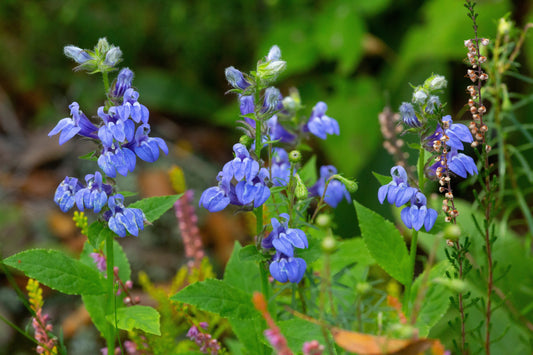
120, 130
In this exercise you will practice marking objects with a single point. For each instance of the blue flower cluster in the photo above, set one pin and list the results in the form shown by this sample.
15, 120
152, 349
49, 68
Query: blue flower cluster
241, 182
458, 163
285, 266
398, 193
122, 135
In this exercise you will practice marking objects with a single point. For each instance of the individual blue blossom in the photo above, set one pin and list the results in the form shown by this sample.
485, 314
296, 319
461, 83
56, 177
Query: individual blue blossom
252, 192
236, 78
132, 108
336, 190
274, 53
115, 127
277, 132
273, 100
77, 54
246, 104
94, 194
458, 163
408, 115
283, 238
432, 104
319, 124
65, 195
418, 214
77, 124
215, 198
123, 220
122, 83
115, 159
280, 167
457, 134
242, 166
147, 148
285, 268
113, 56
398, 191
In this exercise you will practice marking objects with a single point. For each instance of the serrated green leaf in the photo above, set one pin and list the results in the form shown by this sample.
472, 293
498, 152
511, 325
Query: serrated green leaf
98, 232
58, 271
250, 253
218, 297
154, 207
137, 317
98, 306
385, 243
248, 281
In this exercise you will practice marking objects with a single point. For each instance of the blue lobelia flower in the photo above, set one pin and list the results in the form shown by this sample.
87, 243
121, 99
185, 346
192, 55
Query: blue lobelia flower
242, 166
122, 220
457, 134
336, 190
458, 163
78, 124
215, 198
319, 124
115, 159
146, 148
65, 195
398, 191
247, 106
280, 167
283, 238
418, 214
114, 127
286, 268
277, 132
408, 115
252, 191
122, 83
236, 78
132, 108
79, 55
94, 195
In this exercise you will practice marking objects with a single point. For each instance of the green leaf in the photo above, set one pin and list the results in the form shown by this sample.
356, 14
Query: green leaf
314, 251
248, 281
98, 232
218, 297
154, 207
250, 334
435, 301
298, 331
382, 179
91, 156
98, 306
250, 253
58, 271
308, 171
385, 243
136, 317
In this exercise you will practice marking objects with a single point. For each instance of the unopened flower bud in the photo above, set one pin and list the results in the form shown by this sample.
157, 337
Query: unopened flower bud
102, 46
236, 78
79, 55
295, 156
274, 53
272, 99
128, 284
419, 96
246, 141
329, 244
504, 26
452, 232
323, 220
269, 71
437, 82
113, 56
301, 190
351, 185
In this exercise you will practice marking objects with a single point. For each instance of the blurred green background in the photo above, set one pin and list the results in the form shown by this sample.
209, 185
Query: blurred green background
357, 56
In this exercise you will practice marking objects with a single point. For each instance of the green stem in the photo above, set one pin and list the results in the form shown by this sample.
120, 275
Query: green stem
110, 340
105, 78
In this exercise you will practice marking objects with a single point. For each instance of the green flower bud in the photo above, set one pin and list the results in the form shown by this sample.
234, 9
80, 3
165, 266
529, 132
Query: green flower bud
301, 190
351, 185
323, 220
295, 156
452, 232
435, 82
102, 47
245, 140
363, 288
329, 244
